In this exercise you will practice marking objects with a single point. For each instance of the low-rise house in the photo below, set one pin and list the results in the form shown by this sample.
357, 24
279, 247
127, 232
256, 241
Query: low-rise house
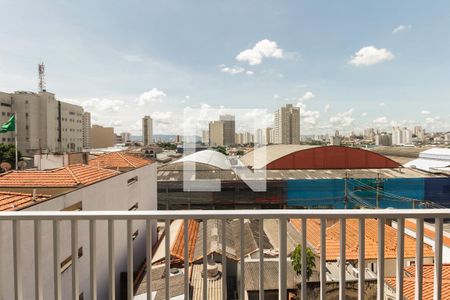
371, 244
73, 188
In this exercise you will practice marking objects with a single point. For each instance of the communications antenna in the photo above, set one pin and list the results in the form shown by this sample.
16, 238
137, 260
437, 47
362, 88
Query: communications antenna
41, 70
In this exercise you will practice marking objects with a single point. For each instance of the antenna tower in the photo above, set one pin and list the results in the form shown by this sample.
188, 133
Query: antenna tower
41, 70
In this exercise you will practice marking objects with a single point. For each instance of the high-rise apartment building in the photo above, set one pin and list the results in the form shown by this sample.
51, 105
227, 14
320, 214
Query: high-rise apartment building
44, 124
383, 139
147, 130
229, 126
222, 132
86, 130
102, 137
268, 136
401, 136
126, 137
287, 125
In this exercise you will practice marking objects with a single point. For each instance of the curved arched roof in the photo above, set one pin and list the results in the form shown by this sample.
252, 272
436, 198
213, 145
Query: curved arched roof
290, 157
207, 157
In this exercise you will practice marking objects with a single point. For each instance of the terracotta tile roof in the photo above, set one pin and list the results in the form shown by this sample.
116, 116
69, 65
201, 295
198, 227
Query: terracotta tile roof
71, 176
118, 160
178, 247
428, 232
409, 282
17, 201
371, 240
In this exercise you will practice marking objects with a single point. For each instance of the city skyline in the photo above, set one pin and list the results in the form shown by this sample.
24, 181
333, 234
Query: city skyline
379, 66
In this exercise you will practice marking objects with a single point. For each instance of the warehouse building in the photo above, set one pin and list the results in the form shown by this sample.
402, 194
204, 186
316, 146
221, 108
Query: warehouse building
301, 176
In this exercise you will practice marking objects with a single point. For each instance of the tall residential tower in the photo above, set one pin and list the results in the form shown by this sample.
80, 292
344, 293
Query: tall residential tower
287, 125
147, 130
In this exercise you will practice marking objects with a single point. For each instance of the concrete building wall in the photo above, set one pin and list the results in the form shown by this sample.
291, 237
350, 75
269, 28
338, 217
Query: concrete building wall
86, 130
102, 137
111, 194
44, 124
216, 137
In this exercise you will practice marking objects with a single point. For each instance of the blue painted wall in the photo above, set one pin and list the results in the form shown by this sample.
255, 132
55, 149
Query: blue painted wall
394, 192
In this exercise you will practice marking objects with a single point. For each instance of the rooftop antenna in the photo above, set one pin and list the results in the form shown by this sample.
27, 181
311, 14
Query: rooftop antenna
41, 70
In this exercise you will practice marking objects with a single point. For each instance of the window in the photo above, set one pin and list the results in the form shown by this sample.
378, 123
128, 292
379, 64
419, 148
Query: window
132, 180
65, 264
3, 113
134, 207
74, 207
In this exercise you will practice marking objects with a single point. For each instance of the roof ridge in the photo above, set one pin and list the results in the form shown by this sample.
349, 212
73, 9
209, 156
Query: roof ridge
68, 168
126, 159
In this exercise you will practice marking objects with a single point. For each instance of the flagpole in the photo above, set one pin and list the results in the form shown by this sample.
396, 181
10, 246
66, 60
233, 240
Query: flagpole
15, 140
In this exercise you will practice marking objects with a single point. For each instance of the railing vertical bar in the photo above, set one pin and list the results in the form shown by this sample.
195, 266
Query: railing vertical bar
205, 260
18, 293
323, 258
186, 259
37, 259
419, 259
400, 257
261, 259
130, 285
167, 262
111, 261
149, 242
242, 260
303, 268
380, 260
342, 260
74, 244
56, 260
282, 278
224, 259
438, 259
361, 258
93, 258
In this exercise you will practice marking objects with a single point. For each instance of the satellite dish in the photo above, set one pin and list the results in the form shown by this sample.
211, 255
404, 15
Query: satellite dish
5, 166
22, 164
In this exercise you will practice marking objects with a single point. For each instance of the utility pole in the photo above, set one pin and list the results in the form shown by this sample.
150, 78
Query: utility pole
345, 191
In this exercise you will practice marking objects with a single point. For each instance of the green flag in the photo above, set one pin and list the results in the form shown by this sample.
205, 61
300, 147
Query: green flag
9, 126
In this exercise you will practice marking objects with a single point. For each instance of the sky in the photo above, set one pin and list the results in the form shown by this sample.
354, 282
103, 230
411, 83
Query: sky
348, 65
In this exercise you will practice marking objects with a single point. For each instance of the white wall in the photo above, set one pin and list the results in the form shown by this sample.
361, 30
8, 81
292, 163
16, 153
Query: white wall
110, 194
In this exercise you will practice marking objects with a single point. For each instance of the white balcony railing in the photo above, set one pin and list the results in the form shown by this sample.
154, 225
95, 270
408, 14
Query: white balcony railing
114, 217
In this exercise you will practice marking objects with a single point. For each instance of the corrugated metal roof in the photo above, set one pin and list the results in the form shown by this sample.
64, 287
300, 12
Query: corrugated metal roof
262, 156
209, 157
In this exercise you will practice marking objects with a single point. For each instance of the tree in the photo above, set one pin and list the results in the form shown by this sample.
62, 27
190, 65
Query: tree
8, 154
221, 149
240, 152
297, 261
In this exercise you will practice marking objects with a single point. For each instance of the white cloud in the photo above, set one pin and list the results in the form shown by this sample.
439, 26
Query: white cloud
152, 96
382, 104
327, 108
263, 48
102, 105
309, 118
370, 56
343, 119
364, 114
307, 96
425, 112
401, 28
276, 96
380, 121
234, 70
157, 115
